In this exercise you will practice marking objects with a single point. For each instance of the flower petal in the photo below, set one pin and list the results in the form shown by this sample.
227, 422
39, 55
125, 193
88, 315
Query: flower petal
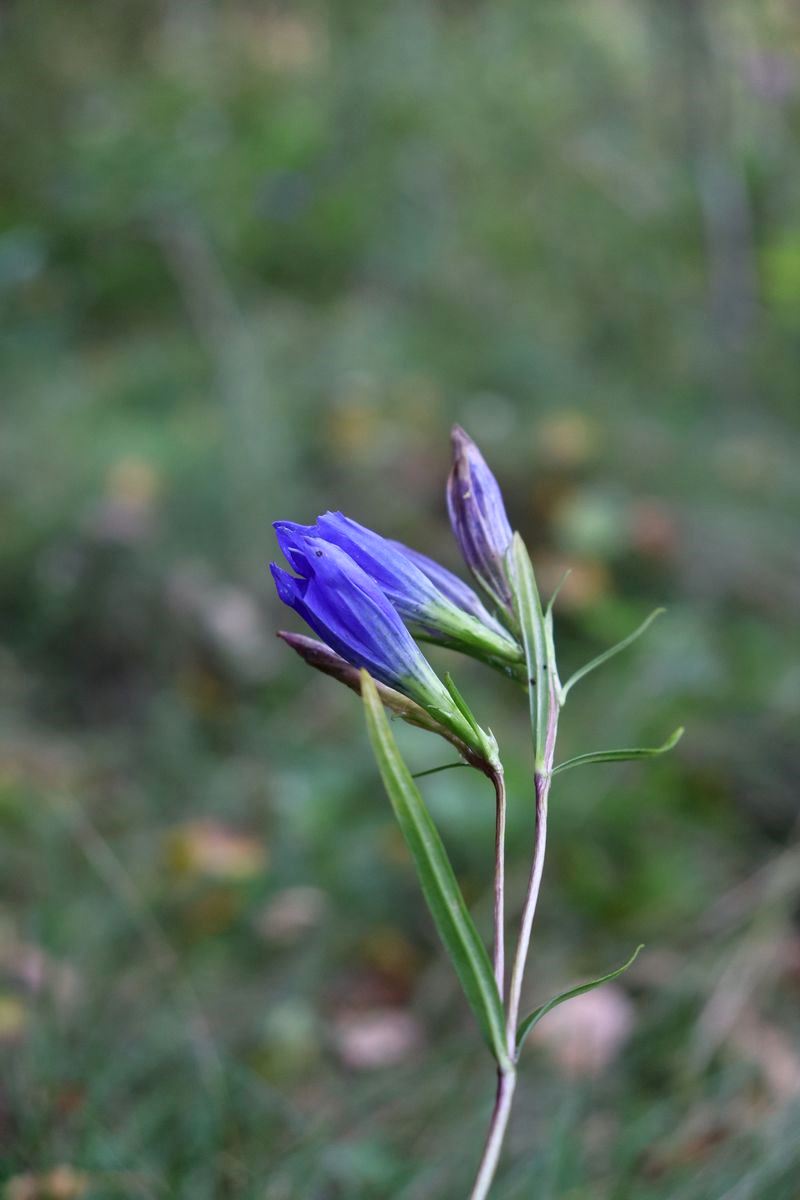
478, 517
453, 588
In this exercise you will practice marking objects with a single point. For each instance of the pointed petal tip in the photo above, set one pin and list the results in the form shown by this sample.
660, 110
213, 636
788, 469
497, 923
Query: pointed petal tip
287, 528
283, 528
332, 520
460, 438
285, 584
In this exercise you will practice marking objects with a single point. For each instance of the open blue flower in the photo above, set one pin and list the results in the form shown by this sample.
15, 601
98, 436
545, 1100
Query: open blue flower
478, 517
432, 601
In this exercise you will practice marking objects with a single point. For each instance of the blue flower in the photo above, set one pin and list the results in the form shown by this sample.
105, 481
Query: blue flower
432, 601
461, 594
348, 610
478, 517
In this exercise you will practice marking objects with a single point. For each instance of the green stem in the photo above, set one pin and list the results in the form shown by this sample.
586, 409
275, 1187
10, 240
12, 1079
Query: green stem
506, 1082
542, 783
499, 880
542, 779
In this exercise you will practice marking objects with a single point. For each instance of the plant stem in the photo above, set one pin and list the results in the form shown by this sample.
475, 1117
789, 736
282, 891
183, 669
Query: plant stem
542, 784
506, 1082
498, 956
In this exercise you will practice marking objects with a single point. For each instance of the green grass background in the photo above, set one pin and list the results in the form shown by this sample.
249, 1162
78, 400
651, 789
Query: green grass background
254, 260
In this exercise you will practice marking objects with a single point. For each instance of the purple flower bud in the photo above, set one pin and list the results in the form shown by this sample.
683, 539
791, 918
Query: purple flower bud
478, 518
348, 610
433, 603
350, 613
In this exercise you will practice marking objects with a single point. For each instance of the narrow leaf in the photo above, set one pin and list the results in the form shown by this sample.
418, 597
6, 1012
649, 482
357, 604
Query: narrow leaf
534, 637
535, 1017
625, 755
559, 585
440, 888
607, 654
436, 770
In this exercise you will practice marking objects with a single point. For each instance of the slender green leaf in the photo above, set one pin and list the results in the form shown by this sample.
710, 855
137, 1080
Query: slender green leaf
440, 888
558, 587
607, 654
436, 770
534, 637
624, 755
535, 1017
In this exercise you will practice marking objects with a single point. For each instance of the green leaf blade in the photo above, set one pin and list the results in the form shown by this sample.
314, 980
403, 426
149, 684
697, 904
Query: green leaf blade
626, 754
607, 654
437, 770
535, 1017
437, 879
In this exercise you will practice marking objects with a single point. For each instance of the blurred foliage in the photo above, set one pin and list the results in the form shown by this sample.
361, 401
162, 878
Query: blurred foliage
254, 260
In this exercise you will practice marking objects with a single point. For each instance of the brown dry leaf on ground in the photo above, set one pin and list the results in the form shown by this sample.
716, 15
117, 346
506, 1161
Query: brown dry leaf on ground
14, 1019
383, 1037
215, 851
567, 440
290, 914
37, 971
61, 1183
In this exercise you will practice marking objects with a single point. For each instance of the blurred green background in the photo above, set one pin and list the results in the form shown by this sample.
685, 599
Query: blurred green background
255, 259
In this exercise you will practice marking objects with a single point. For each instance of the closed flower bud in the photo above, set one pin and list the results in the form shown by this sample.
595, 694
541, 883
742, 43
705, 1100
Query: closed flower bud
347, 609
451, 614
478, 517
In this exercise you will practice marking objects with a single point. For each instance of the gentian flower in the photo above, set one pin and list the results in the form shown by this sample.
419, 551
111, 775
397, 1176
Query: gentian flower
348, 610
478, 517
452, 614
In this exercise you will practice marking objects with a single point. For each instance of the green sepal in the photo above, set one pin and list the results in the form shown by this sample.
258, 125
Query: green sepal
461, 703
624, 755
437, 879
535, 1017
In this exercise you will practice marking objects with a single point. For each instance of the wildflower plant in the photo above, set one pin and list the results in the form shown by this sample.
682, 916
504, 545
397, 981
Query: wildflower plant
371, 601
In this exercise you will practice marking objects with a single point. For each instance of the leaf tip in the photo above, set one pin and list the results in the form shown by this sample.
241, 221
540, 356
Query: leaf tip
674, 738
